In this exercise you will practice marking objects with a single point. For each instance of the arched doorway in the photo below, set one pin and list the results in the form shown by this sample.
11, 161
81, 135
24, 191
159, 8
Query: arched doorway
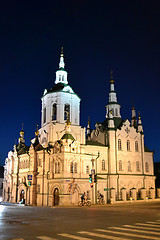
139, 194
22, 200
56, 197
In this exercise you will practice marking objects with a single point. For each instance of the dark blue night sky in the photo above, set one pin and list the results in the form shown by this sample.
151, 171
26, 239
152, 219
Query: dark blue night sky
97, 36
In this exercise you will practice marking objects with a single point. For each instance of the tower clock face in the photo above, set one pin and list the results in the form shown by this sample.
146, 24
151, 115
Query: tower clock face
96, 132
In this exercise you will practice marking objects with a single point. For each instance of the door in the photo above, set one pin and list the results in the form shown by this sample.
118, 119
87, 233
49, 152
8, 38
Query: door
56, 197
22, 196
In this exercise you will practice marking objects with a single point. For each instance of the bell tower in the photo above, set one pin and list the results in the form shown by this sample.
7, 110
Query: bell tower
60, 101
113, 105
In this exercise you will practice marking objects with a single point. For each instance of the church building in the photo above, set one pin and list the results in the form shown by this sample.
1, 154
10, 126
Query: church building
56, 167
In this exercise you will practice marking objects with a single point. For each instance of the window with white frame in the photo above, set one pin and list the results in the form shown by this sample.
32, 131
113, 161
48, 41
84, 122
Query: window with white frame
87, 169
136, 146
147, 167
103, 165
39, 162
38, 188
112, 111
129, 166
128, 145
75, 167
58, 167
44, 115
119, 144
137, 166
66, 111
54, 112
71, 167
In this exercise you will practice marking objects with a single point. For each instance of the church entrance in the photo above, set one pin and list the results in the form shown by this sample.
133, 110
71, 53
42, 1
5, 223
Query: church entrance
22, 200
56, 197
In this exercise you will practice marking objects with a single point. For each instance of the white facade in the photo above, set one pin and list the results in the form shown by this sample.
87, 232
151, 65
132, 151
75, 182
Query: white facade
55, 169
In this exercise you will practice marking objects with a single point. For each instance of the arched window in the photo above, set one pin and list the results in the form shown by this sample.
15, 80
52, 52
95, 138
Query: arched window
103, 165
38, 188
147, 167
39, 162
136, 146
62, 78
120, 165
128, 145
137, 166
129, 166
44, 115
119, 144
87, 169
112, 111
54, 112
71, 167
56, 167
75, 167
66, 111
44, 140
116, 112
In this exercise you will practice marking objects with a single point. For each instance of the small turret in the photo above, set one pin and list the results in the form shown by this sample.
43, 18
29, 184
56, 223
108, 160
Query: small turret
113, 104
67, 137
37, 132
21, 138
68, 123
61, 63
134, 120
140, 127
88, 130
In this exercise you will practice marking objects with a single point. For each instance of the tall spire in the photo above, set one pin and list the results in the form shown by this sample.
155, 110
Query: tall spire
61, 74
112, 94
21, 138
112, 82
140, 127
113, 105
134, 120
61, 63
88, 129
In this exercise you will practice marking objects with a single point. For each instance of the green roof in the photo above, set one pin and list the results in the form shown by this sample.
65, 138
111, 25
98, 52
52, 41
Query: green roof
59, 88
37, 146
117, 122
68, 136
22, 148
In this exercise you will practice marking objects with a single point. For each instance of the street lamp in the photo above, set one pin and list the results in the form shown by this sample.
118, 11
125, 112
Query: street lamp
94, 178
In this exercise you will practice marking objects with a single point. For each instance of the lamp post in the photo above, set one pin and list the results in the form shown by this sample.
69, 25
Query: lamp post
94, 179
